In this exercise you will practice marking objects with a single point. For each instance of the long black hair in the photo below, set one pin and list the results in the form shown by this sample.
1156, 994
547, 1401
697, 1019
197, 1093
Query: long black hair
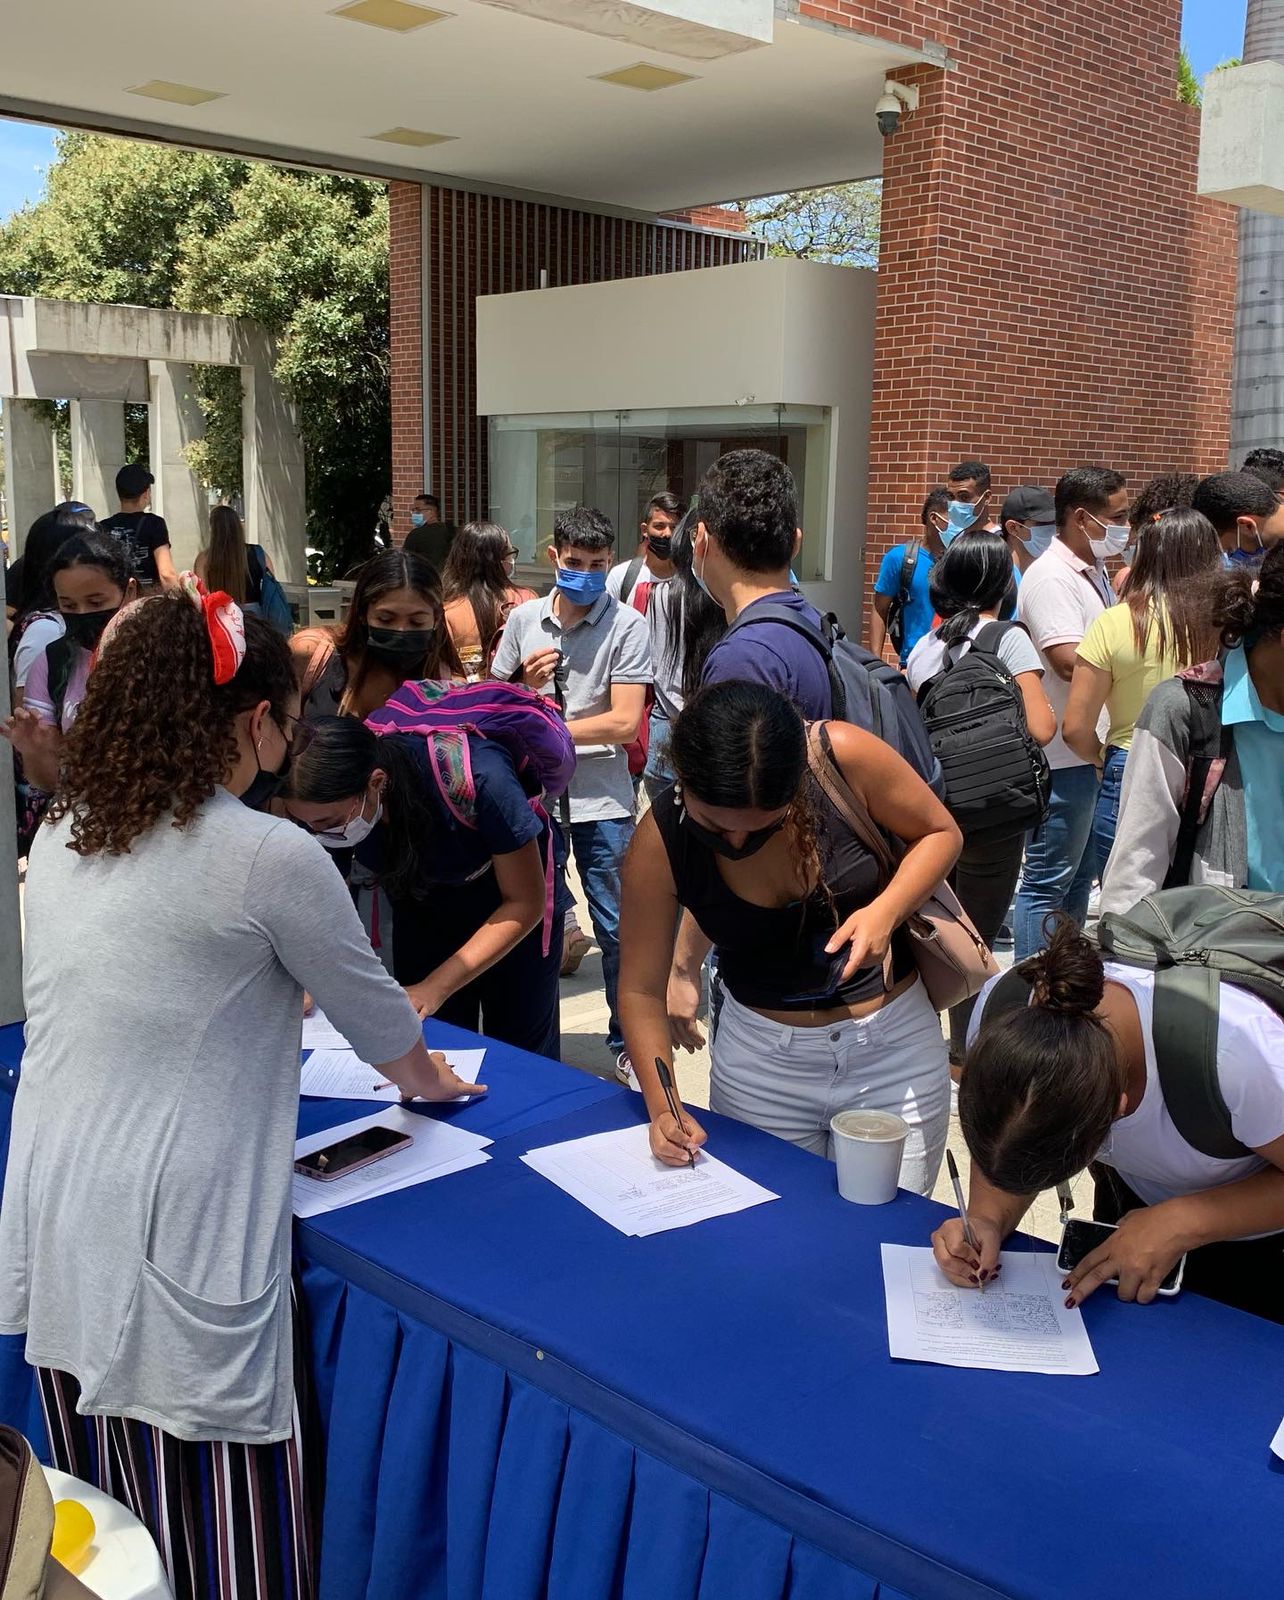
92, 550
696, 622
337, 763
1248, 604
382, 575
974, 575
477, 571
45, 537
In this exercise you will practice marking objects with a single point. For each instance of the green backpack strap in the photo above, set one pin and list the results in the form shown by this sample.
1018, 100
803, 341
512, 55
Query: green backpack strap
1187, 1010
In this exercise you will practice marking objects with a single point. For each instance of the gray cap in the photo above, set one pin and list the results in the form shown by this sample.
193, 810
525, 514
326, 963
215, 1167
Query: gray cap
1029, 504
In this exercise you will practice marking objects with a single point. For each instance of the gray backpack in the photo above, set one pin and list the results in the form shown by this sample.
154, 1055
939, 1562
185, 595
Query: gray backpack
1193, 940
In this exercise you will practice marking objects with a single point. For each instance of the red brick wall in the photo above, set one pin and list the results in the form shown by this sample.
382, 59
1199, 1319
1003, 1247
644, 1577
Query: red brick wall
1050, 289
725, 218
481, 244
405, 339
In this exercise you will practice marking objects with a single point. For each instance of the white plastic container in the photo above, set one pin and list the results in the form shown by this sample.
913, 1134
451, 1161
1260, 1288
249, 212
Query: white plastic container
868, 1146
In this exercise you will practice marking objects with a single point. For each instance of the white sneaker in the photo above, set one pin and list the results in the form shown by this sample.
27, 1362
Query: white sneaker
625, 1073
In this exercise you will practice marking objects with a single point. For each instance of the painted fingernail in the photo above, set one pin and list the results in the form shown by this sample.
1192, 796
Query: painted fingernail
975, 1279
1065, 1283
1069, 1302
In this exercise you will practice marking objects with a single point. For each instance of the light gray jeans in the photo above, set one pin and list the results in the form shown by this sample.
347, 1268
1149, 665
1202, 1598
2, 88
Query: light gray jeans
791, 1081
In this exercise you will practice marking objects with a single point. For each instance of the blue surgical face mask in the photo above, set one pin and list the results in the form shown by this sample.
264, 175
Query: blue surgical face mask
962, 514
1039, 537
416, 519
1242, 558
697, 572
583, 588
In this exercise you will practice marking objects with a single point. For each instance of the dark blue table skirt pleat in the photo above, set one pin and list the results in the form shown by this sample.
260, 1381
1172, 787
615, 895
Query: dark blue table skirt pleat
814, 1575
478, 1415
670, 1525
746, 1557
524, 1505
592, 1529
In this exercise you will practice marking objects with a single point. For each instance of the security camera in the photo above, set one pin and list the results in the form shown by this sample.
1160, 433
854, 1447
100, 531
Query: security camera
895, 100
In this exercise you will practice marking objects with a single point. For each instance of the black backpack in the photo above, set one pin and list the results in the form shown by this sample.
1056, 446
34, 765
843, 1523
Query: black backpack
863, 689
1193, 940
997, 779
896, 611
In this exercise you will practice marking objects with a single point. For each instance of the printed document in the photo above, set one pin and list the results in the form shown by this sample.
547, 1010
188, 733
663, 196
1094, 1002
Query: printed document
319, 1033
1020, 1323
1277, 1443
343, 1075
616, 1176
438, 1149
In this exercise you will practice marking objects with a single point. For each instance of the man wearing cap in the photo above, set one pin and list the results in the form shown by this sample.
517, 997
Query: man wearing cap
1028, 521
143, 534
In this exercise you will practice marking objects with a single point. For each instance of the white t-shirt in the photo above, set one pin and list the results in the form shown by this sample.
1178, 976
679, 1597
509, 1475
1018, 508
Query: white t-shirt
615, 578
43, 630
1144, 1147
1059, 599
1016, 651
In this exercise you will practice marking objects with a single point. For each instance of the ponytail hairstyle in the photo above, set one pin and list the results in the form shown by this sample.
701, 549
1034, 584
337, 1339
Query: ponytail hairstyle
1247, 604
155, 735
696, 621
337, 764
229, 555
743, 747
1041, 1086
974, 575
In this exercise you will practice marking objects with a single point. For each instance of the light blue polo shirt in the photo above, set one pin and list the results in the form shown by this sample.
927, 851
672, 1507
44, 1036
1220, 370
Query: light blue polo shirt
1259, 744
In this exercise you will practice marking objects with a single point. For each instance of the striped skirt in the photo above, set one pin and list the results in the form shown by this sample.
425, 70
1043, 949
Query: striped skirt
231, 1521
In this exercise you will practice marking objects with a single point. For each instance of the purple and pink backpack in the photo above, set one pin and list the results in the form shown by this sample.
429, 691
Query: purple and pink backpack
527, 724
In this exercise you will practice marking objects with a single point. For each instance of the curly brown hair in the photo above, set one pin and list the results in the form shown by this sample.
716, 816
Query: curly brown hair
155, 735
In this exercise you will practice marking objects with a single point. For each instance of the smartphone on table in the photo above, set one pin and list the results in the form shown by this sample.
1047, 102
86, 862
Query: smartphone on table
337, 1160
1079, 1238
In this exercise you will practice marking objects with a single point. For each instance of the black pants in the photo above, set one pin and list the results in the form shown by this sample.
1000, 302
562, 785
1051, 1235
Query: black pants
1245, 1273
516, 1000
985, 879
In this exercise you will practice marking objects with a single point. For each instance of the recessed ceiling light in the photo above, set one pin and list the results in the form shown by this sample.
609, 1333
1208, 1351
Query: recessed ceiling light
398, 15
642, 75
415, 137
178, 94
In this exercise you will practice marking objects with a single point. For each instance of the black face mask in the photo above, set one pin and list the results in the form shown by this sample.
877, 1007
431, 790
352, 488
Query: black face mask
267, 785
661, 548
85, 628
733, 852
400, 644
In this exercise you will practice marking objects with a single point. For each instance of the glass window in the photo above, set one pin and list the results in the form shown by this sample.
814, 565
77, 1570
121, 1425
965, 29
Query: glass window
616, 460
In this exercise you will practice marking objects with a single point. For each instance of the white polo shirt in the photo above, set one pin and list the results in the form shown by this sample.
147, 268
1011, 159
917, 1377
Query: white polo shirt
1059, 598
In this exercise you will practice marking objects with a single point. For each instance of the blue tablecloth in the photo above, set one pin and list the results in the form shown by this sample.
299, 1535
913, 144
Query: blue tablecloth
518, 1401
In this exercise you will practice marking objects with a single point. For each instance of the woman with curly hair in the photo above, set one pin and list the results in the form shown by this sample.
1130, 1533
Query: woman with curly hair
480, 592
823, 1009
395, 633
145, 1229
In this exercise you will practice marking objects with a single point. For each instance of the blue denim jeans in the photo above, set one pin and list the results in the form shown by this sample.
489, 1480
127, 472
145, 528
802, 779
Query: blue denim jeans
1105, 818
1060, 862
659, 774
599, 849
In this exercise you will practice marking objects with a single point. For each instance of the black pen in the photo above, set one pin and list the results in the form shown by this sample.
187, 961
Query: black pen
963, 1216
666, 1083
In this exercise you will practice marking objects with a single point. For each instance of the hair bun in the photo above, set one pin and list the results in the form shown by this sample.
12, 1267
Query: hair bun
1068, 976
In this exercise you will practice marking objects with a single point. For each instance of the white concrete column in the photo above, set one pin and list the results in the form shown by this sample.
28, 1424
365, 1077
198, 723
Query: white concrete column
174, 421
30, 470
97, 452
272, 471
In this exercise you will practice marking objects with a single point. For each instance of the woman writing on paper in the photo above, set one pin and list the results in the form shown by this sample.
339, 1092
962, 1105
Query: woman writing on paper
823, 1008
1070, 1080
145, 1230
468, 896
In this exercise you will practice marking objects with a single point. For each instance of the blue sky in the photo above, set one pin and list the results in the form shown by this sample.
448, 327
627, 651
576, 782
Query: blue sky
1213, 30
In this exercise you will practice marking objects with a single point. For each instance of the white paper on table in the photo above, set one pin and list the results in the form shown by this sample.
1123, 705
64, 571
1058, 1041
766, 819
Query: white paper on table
319, 1033
1020, 1324
1277, 1443
616, 1177
438, 1149
343, 1075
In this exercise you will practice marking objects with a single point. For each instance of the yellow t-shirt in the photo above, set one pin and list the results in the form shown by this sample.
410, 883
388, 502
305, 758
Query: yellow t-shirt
1111, 645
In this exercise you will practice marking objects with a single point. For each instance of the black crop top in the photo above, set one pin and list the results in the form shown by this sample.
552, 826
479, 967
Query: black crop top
772, 958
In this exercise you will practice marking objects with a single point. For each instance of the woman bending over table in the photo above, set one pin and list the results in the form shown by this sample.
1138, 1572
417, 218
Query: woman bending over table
468, 902
823, 1008
145, 1231
1069, 1080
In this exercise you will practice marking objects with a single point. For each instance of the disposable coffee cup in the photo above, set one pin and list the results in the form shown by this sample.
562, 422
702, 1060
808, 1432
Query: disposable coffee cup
868, 1146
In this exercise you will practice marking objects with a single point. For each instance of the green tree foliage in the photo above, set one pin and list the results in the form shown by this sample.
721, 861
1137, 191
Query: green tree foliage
303, 253
1189, 89
838, 224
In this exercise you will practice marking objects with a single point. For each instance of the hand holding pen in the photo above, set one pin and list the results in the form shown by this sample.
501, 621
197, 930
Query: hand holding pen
675, 1133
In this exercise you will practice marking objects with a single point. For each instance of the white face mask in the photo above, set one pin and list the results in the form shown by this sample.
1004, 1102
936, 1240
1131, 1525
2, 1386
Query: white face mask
1114, 538
354, 832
